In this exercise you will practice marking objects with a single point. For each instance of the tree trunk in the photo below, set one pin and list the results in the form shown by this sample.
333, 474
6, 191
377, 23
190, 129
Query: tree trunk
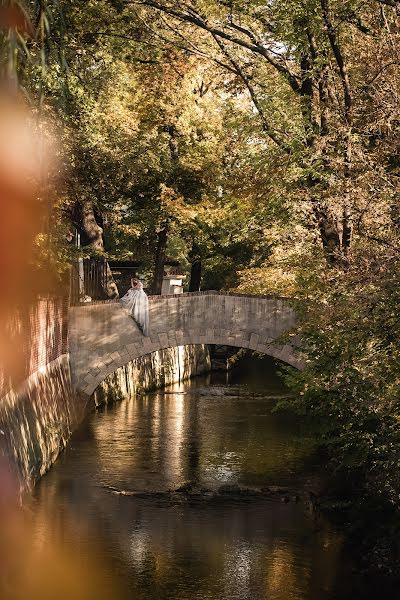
94, 235
162, 241
330, 234
195, 276
173, 143
347, 230
196, 269
336, 234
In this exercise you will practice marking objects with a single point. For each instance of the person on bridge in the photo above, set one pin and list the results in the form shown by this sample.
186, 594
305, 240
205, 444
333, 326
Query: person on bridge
136, 304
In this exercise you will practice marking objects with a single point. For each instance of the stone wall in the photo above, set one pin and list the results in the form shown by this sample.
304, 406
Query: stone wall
37, 419
153, 371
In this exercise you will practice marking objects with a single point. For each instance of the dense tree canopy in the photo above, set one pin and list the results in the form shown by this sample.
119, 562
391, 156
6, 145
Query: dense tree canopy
170, 112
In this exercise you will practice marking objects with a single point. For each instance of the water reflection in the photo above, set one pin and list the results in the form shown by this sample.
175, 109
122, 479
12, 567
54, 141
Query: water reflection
160, 440
201, 548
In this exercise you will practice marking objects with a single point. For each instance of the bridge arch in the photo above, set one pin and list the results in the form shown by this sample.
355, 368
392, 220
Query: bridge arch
103, 337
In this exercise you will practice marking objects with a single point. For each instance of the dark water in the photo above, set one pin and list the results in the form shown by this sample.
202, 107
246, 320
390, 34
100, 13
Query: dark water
159, 547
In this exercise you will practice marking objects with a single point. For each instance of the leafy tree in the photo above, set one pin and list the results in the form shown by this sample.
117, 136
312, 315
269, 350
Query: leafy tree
307, 70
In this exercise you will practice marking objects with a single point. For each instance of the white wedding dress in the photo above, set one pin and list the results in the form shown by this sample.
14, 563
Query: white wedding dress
136, 304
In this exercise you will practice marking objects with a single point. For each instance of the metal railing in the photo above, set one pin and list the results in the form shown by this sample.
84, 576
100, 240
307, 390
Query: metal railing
88, 280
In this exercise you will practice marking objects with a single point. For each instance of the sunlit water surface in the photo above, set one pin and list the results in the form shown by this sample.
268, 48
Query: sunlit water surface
226, 549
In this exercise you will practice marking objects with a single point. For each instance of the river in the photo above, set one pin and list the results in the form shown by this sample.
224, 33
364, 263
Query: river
108, 495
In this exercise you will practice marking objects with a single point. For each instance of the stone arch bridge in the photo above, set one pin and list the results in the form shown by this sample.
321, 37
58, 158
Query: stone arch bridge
102, 337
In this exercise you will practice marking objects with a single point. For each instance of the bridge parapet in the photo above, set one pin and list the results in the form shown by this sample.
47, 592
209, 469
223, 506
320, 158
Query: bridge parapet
103, 337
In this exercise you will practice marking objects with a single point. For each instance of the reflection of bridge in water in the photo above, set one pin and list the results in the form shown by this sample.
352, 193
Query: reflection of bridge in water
102, 337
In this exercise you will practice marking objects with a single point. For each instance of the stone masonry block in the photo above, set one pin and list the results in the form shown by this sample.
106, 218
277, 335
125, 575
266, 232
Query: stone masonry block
99, 364
117, 364
163, 337
89, 389
287, 352
152, 348
172, 339
179, 337
132, 350
188, 337
254, 339
103, 374
243, 340
209, 333
147, 343
90, 379
108, 360
139, 345
262, 348
125, 358
95, 371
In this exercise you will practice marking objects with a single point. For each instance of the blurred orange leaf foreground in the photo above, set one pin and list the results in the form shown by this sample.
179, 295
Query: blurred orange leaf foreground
33, 570
13, 17
23, 160
29, 569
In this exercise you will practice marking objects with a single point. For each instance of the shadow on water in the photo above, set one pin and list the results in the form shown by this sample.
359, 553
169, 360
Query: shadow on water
111, 489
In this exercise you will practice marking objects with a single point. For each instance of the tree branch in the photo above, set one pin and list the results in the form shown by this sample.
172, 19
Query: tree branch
243, 76
348, 100
322, 72
193, 50
393, 3
381, 70
256, 48
246, 32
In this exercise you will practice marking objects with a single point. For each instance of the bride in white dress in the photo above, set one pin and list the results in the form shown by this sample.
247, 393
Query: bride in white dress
136, 304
